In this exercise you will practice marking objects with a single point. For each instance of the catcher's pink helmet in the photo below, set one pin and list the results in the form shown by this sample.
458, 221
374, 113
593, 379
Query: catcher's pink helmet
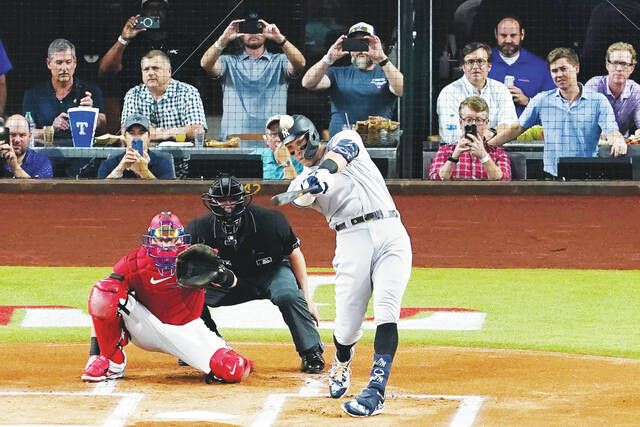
164, 240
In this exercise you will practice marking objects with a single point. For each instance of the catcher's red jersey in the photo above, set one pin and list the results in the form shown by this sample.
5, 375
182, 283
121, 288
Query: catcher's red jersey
160, 294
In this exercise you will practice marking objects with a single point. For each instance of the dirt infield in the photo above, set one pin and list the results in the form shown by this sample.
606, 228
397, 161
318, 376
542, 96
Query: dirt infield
429, 386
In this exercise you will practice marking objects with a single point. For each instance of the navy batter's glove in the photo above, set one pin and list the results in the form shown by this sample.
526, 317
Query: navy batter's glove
199, 266
318, 181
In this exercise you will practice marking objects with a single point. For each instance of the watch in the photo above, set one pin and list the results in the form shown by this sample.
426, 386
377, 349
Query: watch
452, 160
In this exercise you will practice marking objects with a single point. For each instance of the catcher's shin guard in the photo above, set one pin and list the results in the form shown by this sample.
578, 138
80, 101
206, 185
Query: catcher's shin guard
104, 300
227, 366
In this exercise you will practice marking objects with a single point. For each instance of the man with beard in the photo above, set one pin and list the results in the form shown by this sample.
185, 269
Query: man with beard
49, 101
254, 81
20, 161
367, 87
529, 73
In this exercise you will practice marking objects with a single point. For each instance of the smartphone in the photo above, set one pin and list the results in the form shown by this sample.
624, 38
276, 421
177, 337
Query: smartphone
137, 145
355, 45
472, 129
250, 26
149, 22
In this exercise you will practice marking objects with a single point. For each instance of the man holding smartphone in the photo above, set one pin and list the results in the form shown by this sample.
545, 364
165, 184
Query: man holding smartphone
369, 86
471, 158
254, 81
137, 161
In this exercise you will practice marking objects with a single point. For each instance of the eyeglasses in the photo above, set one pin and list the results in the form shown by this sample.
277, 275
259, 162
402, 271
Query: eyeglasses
620, 64
479, 62
473, 121
153, 115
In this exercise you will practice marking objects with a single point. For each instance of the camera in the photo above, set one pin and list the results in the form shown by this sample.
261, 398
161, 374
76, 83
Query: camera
250, 26
470, 129
355, 45
4, 133
149, 22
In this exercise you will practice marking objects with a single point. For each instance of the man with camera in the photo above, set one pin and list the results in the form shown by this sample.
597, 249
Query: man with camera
19, 160
254, 81
136, 161
471, 158
49, 101
367, 87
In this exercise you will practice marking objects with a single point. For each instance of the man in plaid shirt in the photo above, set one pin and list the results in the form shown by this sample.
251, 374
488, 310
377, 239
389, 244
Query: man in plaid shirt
471, 158
173, 107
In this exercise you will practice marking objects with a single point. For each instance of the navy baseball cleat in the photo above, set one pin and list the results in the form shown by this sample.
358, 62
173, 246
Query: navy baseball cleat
367, 404
312, 363
339, 377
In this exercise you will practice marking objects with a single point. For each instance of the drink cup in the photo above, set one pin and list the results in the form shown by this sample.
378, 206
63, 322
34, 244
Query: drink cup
509, 81
83, 121
198, 138
47, 133
181, 136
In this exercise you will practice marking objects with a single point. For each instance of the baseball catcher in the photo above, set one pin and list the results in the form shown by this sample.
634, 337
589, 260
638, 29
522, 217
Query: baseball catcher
142, 301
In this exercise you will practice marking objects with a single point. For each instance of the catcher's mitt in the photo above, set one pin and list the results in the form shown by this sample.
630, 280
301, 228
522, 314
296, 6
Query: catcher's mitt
199, 266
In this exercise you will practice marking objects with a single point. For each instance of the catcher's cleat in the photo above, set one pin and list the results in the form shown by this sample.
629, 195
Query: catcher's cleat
367, 404
339, 377
312, 363
103, 369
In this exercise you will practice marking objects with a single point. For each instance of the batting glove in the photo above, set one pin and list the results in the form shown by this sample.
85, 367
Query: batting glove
318, 181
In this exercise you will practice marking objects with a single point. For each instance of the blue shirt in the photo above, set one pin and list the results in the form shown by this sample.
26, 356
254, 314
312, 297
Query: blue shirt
531, 73
254, 89
41, 101
570, 129
160, 167
35, 164
270, 168
359, 94
5, 64
626, 107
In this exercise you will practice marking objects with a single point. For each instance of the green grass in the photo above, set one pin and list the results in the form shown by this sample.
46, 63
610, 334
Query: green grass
576, 311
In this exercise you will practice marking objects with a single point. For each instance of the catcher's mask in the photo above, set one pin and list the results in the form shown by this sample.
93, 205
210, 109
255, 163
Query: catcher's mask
301, 126
164, 240
227, 199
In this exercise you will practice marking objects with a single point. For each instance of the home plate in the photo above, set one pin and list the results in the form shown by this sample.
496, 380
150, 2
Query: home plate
195, 416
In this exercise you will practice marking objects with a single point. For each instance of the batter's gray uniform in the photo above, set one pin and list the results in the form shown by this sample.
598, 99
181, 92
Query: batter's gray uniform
373, 251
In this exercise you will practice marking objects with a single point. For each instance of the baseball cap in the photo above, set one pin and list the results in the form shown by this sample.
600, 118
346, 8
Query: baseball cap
147, 1
136, 119
361, 28
272, 120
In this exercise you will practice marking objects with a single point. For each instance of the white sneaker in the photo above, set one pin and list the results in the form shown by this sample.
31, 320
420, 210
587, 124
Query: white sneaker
339, 377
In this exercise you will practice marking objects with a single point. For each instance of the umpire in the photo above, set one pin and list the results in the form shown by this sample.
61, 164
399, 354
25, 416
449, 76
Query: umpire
260, 247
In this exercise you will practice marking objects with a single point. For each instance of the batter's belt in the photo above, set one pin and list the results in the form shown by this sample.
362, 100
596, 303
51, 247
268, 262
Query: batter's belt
371, 216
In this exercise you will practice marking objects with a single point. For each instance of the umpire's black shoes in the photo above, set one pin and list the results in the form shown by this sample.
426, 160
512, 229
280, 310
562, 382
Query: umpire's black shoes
312, 363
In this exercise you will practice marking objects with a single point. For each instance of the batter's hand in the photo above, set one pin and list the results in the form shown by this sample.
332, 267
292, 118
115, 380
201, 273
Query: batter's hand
318, 181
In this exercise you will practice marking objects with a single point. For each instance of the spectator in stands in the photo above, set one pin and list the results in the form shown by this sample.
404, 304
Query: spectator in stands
277, 163
572, 117
471, 158
132, 164
49, 101
5, 67
476, 63
174, 108
622, 93
367, 87
531, 74
254, 81
20, 161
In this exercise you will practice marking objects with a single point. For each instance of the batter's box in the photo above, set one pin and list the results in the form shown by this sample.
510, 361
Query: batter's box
406, 409
66, 408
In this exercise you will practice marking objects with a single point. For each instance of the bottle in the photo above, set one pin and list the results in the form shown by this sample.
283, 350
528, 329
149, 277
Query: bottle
450, 129
32, 127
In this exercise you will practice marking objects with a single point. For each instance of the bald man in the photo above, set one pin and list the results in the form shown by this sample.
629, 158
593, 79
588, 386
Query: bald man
19, 160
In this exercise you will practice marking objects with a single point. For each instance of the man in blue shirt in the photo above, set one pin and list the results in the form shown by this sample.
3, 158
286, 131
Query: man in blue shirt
530, 73
367, 87
49, 101
273, 167
572, 117
255, 81
20, 161
135, 164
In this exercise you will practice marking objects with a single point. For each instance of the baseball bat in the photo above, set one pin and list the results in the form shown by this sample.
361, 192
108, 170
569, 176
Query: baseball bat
290, 196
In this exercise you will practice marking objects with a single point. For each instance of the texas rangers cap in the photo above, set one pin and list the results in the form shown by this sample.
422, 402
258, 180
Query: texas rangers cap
361, 28
136, 119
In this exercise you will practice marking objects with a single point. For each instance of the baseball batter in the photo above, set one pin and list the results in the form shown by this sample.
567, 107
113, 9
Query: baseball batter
142, 301
373, 251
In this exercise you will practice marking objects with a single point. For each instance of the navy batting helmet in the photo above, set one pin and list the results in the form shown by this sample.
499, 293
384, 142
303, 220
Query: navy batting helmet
302, 126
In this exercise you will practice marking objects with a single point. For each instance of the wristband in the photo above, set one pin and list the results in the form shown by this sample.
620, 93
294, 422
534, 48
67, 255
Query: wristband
123, 41
326, 60
283, 42
383, 62
485, 159
452, 160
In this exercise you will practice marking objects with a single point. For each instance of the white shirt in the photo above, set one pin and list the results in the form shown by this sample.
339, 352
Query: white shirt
498, 97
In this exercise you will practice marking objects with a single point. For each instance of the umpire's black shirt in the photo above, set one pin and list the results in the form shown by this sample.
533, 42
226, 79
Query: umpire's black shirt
265, 240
